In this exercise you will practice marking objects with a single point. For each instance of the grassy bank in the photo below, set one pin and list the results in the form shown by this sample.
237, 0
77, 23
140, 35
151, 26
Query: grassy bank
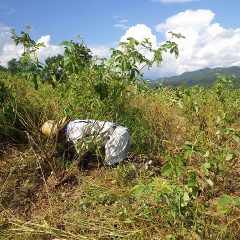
189, 191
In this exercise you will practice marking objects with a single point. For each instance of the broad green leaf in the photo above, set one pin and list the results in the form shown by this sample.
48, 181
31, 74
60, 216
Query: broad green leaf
236, 202
237, 153
187, 154
132, 42
176, 161
137, 190
158, 55
119, 59
224, 202
167, 170
192, 180
188, 145
124, 65
229, 157
64, 43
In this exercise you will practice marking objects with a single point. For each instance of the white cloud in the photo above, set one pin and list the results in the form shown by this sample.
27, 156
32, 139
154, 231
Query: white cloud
100, 50
191, 20
8, 49
206, 44
175, 1
49, 50
121, 23
140, 32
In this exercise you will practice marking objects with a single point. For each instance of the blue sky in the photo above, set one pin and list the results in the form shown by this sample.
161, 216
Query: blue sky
94, 20
102, 23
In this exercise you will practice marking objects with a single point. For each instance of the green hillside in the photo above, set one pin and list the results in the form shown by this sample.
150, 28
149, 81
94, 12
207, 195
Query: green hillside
202, 77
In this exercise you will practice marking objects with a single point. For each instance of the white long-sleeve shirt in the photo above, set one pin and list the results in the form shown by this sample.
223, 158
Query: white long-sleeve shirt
115, 138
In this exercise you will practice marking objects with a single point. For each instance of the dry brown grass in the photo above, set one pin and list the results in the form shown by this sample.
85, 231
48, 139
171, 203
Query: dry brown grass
97, 205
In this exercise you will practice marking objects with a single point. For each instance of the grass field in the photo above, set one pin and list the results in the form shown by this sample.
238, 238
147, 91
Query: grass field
190, 190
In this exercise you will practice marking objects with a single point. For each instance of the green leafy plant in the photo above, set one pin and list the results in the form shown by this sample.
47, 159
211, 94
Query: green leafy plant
175, 166
225, 203
131, 58
76, 56
29, 55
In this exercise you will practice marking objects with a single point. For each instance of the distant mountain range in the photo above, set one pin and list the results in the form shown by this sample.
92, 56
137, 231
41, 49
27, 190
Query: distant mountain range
202, 77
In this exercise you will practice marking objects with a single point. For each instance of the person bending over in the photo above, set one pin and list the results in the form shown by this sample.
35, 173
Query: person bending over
80, 133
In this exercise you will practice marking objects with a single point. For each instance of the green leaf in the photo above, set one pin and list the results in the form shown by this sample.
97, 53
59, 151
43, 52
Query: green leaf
185, 199
237, 153
187, 154
132, 42
236, 202
176, 161
118, 59
137, 190
64, 43
188, 145
167, 170
229, 157
170, 237
177, 35
124, 65
192, 180
223, 203
158, 55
